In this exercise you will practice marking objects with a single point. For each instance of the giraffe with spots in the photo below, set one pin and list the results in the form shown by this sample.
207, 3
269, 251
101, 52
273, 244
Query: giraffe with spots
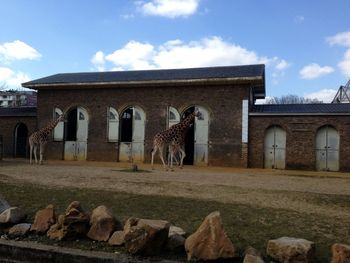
40, 138
174, 138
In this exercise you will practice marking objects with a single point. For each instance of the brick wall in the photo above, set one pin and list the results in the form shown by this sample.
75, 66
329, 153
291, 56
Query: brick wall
300, 135
222, 102
7, 131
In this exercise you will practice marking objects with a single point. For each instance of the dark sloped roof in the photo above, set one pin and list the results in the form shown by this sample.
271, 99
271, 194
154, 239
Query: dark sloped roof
246, 71
18, 112
302, 108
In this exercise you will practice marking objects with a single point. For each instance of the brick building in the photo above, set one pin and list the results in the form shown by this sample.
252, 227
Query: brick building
113, 116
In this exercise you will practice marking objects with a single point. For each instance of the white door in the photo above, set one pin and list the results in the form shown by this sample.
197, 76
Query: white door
82, 133
275, 148
138, 134
327, 149
201, 133
134, 151
77, 150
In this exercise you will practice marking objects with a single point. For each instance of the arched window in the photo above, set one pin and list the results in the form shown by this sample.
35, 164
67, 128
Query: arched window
58, 131
113, 125
173, 116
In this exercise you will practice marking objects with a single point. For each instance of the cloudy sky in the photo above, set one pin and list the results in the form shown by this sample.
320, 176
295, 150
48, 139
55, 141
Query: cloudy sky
305, 45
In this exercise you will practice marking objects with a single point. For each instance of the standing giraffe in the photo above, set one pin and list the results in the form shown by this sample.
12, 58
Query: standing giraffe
40, 138
173, 137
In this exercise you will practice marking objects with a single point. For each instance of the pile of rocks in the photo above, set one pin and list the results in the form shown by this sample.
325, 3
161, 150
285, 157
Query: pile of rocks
150, 237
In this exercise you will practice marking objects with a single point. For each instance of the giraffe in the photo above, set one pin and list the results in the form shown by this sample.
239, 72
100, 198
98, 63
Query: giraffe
40, 138
174, 137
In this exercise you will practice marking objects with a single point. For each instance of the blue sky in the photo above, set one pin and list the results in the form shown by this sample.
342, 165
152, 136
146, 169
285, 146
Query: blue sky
304, 44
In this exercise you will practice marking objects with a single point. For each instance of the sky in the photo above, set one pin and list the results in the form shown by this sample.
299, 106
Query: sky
305, 45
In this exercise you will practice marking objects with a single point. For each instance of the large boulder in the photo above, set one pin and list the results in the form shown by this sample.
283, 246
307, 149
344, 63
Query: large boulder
210, 241
340, 253
103, 223
293, 250
43, 220
147, 237
71, 225
12, 215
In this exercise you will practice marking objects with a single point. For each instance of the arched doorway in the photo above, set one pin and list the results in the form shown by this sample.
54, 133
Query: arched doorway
76, 134
196, 140
327, 149
132, 134
21, 138
275, 148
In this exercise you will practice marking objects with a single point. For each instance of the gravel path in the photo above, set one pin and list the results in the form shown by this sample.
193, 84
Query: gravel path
296, 190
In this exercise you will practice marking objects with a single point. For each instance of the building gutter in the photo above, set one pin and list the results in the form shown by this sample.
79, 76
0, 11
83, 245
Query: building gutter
300, 114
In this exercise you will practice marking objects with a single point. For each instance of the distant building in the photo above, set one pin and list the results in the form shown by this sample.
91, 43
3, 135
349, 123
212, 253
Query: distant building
18, 99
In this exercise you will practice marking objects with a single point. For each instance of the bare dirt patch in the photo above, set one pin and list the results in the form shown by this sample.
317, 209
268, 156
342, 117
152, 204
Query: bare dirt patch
308, 192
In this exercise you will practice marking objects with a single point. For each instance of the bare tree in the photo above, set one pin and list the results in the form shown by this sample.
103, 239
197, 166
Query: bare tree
291, 99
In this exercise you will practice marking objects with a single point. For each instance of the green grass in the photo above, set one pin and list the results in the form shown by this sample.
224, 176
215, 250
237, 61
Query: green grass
244, 224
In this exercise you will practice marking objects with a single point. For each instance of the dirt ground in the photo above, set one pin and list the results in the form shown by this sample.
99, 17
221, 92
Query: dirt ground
301, 191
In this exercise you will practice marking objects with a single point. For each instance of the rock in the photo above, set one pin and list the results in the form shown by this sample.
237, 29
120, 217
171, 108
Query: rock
117, 239
3, 204
210, 241
19, 230
148, 237
176, 243
103, 223
12, 215
251, 255
43, 220
71, 225
174, 230
293, 250
340, 253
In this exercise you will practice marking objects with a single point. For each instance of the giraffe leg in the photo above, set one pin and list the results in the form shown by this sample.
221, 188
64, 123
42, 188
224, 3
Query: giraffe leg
30, 153
42, 149
154, 151
34, 152
182, 155
162, 157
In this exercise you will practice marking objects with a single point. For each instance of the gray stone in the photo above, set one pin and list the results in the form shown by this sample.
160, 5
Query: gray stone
292, 250
3, 204
251, 255
117, 239
19, 230
12, 215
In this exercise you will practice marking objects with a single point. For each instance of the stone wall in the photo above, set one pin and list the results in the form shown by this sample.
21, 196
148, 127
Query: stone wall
301, 139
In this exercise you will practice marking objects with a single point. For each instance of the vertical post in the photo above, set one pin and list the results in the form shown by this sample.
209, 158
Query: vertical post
244, 151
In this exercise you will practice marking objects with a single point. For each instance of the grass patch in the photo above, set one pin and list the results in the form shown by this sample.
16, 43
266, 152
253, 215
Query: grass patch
244, 224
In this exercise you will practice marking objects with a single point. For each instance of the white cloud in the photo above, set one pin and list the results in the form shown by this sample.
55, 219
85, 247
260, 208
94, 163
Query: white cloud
313, 71
342, 39
299, 19
206, 52
98, 61
344, 65
169, 8
11, 79
17, 50
134, 55
325, 95
282, 65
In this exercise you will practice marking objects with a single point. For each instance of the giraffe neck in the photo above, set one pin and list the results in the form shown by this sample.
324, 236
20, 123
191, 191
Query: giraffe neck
46, 130
187, 122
